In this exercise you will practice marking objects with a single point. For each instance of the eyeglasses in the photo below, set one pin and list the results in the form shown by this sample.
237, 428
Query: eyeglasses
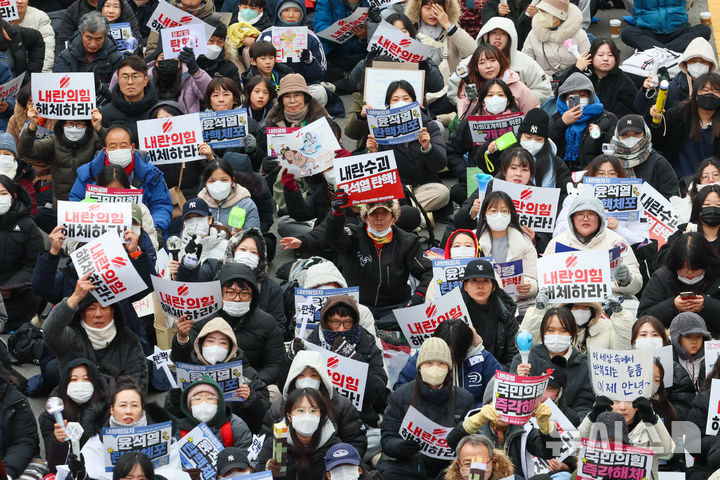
345, 323
303, 411
242, 295
710, 176
584, 214
135, 77
293, 95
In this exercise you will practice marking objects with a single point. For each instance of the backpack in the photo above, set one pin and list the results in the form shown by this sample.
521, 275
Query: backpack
26, 344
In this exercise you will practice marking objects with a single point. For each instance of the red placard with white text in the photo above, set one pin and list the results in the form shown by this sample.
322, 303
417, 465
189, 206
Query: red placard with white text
171, 140
64, 96
372, 177
114, 195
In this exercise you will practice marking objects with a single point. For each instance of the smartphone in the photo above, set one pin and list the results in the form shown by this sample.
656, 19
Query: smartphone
687, 295
573, 101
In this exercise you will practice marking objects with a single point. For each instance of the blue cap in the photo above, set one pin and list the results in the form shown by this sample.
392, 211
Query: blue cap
196, 205
341, 454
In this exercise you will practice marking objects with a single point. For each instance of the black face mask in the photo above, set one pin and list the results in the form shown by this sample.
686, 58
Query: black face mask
708, 101
167, 68
710, 216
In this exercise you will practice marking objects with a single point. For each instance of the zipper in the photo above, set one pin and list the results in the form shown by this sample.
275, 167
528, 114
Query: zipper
379, 256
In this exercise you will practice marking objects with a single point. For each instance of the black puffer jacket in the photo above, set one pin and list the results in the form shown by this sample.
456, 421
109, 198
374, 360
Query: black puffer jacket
705, 463
658, 172
19, 431
496, 324
121, 112
220, 67
616, 90
682, 392
72, 15
20, 242
589, 147
27, 47
103, 64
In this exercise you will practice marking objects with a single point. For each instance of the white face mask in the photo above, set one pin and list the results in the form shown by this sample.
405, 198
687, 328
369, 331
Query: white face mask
236, 309
498, 221
213, 52
630, 142
544, 19
584, 101
648, 342
74, 134
495, 105
345, 472
655, 388
557, 343
462, 252
214, 354
691, 281
696, 69
399, 104
80, 392
197, 225
305, 424
8, 166
307, 382
532, 146
137, 229
433, 375
247, 258
204, 411
121, 156
219, 190
5, 203
377, 233
582, 316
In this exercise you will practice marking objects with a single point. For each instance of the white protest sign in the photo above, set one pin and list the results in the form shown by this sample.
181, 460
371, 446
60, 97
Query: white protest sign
224, 129
277, 139
199, 449
161, 359
661, 215
349, 376
510, 274
308, 304
145, 306
665, 355
603, 460
383, 3
175, 39
579, 276
198, 300
712, 427
389, 40
620, 196
377, 81
515, 397
341, 31
448, 274
622, 375
485, 128
113, 195
310, 150
395, 125
372, 177
152, 440
228, 375
712, 351
419, 322
64, 96
169, 16
256, 447
289, 42
171, 140
9, 10
85, 221
431, 436
11, 88
113, 275
564, 427
536, 206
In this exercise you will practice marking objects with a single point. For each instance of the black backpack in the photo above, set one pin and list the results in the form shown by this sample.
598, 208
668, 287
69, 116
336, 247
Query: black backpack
26, 344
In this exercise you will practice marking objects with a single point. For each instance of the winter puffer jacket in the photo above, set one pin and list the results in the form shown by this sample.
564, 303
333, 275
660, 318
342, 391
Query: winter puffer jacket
27, 48
20, 441
72, 15
660, 16
495, 322
239, 197
20, 242
103, 63
707, 460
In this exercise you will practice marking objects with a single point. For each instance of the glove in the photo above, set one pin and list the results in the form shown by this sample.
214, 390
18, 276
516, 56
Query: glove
306, 56
542, 415
416, 299
612, 305
374, 15
486, 414
645, 409
269, 165
77, 466
288, 181
541, 301
296, 345
622, 275
250, 143
408, 448
344, 348
423, 65
471, 92
339, 200
187, 56
602, 404
190, 261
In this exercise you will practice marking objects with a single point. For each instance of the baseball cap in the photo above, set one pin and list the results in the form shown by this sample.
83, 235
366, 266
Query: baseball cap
231, 458
630, 123
479, 269
196, 205
341, 454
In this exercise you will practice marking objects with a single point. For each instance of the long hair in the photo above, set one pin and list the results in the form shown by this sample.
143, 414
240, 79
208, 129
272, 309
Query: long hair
596, 162
492, 199
127, 462
458, 336
111, 173
512, 104
697, 202
486, 50
694, 250
655, 323
661, 404
714, 373
303, 453
167, 89
407, 23
713, 79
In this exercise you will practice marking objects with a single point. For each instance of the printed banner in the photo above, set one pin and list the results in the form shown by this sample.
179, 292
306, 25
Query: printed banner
122, 33
199, 448
224, 129
171, 140
620, 196
377, 81
419, 322
383, 3
64, 96
536, 206
289, 42
169, 16
712, 427
9, 10
571, 277
341, 31
228, 375
198, 300
661, 216
152, 440
113, 276
11, 88
372, 177
515, 397
511, 275
622, 375
389, 40
486, 128
602, 460
614, 257
277, 139
712, 351
349, 376
395, 125
448, 274
114, 195
431, 436
176, 38
311, 309
310, 150
85, 221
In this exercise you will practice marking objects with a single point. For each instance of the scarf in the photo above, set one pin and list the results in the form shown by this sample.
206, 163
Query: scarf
434, 32
573, 134
632, 157
328, 337
100, 337
379, 241
296, 119
140, 423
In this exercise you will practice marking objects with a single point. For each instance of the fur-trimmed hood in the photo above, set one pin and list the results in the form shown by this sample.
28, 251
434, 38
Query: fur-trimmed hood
502, 467
565, 30
276, 116
452, 8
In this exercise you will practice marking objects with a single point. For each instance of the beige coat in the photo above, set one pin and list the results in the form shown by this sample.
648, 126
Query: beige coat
519, 248
39, 20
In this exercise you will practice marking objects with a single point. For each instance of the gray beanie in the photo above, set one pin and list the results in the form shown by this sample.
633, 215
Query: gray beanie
612, 423
684, 324
586, 202
576, 81
7, 142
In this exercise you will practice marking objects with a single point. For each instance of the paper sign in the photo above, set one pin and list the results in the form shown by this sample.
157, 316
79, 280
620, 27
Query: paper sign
614, 257
602, 460
86, 221
114, 195
310, 150
388, 40
171, 140
661, 216
620, 196
122, 33
571, 277
289, 42
536, 206
665, 355
318, 298
419, 322
431, 436
152, 440
11, 88
622, 375
349, 376
486, 128
176, 38
383, 3
224, 129
113, 275
198, 300
145, 306
228, 375
237, 217
511, 275
712, 427
372, 177
277, 139
256, 448
377, 81
265, 475
448, 274
199, 448
64, 96
341, 31
395, 125
9, 10
515, 397
564, 427
169, 16
712, 350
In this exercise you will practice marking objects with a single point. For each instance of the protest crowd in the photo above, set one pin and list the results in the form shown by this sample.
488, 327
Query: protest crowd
358, 239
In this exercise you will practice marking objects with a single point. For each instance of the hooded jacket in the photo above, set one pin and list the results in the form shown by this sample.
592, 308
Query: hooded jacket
72, 15
547, 48
103, 64
495, 322
121, 112
20, 442
449, 242
239, 197
615, 90
192, 87
66, 338
38, 20
524, 97
206, 8
20, 242
604, 239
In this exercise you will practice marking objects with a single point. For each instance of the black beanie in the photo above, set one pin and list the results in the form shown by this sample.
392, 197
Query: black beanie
536, 122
